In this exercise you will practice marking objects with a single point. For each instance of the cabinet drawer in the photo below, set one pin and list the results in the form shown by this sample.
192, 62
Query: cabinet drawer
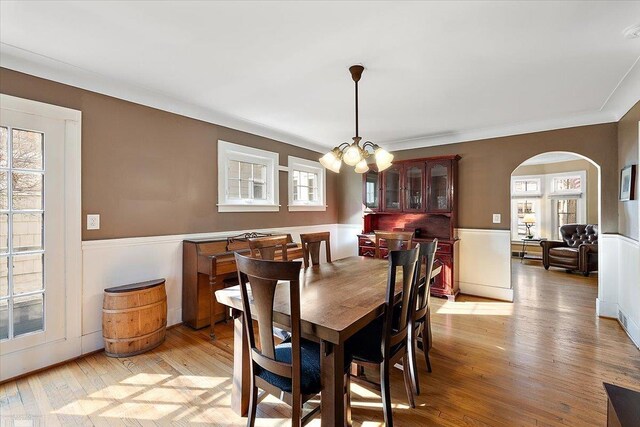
366, 251
363, 241
444, 248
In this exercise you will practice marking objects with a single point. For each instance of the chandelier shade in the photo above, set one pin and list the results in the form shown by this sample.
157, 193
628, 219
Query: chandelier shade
354, 154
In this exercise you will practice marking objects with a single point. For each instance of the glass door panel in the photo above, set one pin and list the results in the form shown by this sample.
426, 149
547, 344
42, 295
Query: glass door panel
439, 187
392, 186
371, 190
414, 187
21, 232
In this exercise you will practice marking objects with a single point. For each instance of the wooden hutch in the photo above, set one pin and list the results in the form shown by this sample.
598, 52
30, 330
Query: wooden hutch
415, 195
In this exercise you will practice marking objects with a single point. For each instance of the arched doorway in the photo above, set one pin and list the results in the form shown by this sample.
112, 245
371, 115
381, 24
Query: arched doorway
549, 190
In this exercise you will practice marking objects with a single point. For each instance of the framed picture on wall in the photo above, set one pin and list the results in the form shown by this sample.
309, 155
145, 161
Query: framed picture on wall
627, 183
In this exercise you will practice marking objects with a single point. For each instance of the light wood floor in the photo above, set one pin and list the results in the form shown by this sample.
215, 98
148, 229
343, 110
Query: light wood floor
540, 361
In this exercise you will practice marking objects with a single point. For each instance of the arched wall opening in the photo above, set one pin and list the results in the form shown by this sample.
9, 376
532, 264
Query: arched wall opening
540, 188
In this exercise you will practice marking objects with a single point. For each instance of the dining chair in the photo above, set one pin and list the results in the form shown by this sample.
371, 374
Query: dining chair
421, 322
382, 343
266, 247
311, 247
395, 240
291, 370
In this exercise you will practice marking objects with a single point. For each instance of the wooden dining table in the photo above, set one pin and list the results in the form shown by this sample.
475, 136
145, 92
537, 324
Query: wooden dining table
336, 300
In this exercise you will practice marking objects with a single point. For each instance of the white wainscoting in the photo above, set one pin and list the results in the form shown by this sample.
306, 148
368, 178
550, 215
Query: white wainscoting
485, 263
115, 262
619, 290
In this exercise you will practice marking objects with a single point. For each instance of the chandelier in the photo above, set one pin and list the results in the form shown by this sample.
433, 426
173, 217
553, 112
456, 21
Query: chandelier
352, 153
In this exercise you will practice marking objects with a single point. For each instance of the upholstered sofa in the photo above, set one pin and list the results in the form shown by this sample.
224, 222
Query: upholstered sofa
578, 250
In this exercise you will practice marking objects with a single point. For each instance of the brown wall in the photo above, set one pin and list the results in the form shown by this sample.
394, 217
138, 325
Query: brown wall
486, 167
148, 172
628, 221
570, 166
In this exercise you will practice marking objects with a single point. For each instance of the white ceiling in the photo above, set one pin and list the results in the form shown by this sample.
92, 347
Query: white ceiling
436, 72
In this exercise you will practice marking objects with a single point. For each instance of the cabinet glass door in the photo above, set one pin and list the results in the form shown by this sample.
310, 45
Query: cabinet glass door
439, 187
371, 190
392, 186
414, 187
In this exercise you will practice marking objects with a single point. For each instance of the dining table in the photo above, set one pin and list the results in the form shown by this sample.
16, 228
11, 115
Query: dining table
337, 300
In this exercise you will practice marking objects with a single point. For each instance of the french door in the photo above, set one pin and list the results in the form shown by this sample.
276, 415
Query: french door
38, 282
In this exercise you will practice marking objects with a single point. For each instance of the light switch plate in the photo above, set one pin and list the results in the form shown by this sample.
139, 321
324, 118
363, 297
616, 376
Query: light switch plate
497, 218
93, 222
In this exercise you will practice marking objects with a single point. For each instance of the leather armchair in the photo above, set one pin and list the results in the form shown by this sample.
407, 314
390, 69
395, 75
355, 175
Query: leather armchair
578, 249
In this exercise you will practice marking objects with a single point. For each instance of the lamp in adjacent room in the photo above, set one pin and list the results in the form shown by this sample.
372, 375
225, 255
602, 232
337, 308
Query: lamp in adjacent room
354, 154
528, 220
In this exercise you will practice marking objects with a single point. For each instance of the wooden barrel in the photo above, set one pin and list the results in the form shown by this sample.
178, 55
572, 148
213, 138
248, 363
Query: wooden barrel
134, 318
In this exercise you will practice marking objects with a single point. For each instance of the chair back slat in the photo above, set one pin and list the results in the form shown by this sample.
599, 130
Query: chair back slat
396, 333
423, 288
266, 247
311, 243
396, 240
263, 277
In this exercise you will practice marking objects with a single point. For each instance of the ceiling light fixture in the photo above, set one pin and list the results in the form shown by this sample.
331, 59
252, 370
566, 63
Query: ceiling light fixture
352, 153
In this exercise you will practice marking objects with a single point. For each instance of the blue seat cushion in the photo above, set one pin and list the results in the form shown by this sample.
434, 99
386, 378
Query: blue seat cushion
310, 361
365, 345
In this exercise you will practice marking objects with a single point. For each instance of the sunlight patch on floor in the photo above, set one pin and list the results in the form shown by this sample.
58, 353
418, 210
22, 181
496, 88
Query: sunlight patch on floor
477, 308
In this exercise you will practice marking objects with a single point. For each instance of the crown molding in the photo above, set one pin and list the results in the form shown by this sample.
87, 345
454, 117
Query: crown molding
584, 119
48, 68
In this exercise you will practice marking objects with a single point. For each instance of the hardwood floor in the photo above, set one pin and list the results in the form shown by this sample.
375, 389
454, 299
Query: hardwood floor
538, 362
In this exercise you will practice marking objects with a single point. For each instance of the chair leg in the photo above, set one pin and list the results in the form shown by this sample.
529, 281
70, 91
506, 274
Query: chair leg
296, 410
385, 388
408, 381
425, 347
253, 405
347, 397
413, 363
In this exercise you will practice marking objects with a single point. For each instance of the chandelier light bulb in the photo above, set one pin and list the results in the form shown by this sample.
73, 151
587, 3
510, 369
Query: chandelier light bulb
362, 166
383, 156
331, 161
352, 154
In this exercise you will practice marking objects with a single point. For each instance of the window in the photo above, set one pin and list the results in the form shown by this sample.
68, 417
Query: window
306, 185
247, 179
526, 186
522, 207
565, 211
567, 184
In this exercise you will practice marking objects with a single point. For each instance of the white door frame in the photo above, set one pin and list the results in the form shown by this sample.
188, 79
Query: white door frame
21, 362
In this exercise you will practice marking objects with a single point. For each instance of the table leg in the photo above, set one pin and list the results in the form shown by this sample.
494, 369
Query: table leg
240, 387
522, 253
334, 408
212, 307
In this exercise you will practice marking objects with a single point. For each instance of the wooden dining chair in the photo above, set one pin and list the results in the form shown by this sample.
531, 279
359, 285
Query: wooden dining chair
395, 240
421, 322
311, 247
266, 247
291, 370
383, 342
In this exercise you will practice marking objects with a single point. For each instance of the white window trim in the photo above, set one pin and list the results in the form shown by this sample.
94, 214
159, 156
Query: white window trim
537, 178
296, 163
230, 151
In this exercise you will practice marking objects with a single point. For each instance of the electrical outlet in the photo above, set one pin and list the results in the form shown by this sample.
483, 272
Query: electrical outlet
497, 218
93, 222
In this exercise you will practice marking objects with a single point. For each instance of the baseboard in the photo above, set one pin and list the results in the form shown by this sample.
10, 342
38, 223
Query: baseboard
606, 309
631, 328
502, 294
